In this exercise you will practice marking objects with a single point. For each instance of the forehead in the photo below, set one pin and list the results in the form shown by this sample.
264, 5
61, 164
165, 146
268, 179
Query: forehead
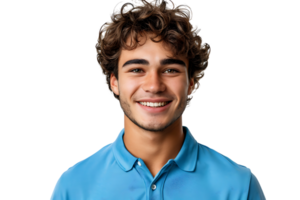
149, 50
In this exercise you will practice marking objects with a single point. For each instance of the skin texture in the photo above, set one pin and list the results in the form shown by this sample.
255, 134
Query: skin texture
153, 137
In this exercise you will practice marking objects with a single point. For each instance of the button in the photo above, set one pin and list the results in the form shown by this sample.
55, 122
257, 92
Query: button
153, 187
139, 163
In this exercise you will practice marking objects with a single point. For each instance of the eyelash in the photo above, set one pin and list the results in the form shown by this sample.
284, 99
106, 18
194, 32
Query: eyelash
165, 70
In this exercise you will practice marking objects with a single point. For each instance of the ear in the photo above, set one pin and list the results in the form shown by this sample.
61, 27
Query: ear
191, 86
114, 84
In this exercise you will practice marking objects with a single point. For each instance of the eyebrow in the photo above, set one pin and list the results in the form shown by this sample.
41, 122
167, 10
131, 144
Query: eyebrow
168, 61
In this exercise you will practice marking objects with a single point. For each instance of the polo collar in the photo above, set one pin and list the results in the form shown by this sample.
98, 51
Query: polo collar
185, 160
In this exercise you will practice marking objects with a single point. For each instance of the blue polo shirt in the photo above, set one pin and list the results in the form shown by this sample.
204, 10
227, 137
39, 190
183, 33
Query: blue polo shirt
197, 172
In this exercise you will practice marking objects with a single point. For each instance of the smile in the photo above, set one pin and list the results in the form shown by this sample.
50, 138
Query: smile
154, 107
154, 104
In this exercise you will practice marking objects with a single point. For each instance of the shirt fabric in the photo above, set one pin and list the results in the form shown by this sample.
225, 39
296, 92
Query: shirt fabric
197, 173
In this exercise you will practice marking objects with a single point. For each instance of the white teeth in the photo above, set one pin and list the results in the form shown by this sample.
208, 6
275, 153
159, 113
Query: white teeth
151, 104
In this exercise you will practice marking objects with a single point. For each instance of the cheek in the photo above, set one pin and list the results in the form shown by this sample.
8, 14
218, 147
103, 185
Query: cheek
179, 86
128, 86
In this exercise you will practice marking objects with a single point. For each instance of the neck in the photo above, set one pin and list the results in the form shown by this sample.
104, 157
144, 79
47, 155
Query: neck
154, 148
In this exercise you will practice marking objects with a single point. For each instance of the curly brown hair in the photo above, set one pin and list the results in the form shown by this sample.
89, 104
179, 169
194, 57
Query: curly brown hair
170, 25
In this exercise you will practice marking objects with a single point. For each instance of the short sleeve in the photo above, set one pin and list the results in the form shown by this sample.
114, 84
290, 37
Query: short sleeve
255, 191
60, 191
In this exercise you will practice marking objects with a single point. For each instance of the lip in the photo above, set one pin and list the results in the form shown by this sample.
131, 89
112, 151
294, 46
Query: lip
154, 109
154, 100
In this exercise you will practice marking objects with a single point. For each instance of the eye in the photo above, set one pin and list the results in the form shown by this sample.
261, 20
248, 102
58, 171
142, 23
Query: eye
134, 69
165, 71
172, 69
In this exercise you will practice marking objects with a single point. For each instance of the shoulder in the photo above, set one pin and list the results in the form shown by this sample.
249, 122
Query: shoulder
92, 162
222, 167
226, 176
83, 172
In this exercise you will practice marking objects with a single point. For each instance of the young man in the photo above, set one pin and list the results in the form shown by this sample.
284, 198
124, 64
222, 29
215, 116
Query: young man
153, 134
153, 60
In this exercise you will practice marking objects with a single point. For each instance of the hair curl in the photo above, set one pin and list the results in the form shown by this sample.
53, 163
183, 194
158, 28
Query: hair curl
172, 25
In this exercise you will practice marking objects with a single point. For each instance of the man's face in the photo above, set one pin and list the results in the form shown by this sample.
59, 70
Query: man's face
153, 85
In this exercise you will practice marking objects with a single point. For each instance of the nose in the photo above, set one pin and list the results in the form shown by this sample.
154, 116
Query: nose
153, 83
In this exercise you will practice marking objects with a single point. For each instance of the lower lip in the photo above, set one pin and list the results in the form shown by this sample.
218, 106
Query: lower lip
155, 109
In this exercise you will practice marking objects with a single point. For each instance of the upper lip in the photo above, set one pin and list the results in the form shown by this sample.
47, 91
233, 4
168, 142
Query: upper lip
154, 100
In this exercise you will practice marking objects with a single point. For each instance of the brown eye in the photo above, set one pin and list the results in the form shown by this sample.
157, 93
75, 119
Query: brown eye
172, 69
134, 69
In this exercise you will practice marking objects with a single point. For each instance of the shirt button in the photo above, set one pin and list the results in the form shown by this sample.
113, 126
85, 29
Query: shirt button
139, 163
153, 187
